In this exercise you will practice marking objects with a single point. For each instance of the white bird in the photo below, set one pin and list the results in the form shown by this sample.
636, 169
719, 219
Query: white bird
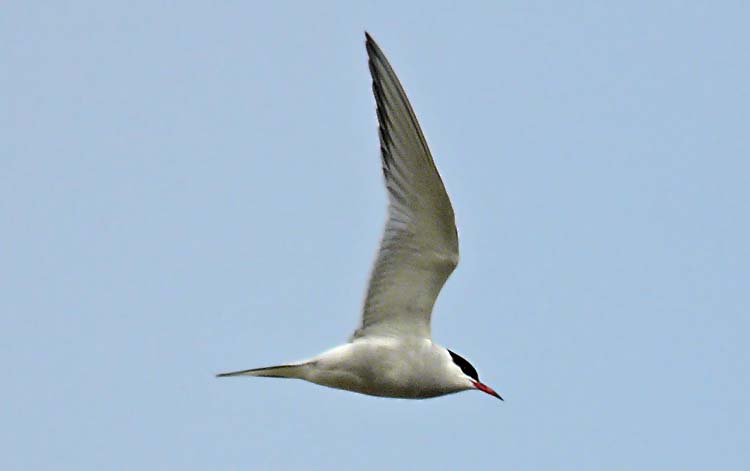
392, 354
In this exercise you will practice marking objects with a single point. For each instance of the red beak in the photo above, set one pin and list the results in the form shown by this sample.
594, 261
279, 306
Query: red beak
486, 389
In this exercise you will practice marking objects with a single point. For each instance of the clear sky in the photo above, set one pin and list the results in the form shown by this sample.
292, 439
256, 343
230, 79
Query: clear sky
189, 187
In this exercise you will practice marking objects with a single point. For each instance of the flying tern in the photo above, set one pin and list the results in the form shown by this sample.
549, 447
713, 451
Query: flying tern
392, 353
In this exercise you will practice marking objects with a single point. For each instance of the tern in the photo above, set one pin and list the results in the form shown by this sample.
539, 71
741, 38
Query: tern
392, 353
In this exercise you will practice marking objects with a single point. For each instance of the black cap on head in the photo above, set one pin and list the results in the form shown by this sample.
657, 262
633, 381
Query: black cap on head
465, 366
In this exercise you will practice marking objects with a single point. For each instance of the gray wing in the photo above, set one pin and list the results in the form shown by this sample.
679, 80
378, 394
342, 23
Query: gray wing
419, 249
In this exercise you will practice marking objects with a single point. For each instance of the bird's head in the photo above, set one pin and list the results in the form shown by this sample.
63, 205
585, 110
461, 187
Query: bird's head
471, 375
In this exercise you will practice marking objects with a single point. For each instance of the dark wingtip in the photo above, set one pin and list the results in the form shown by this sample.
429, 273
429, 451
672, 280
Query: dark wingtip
371, 46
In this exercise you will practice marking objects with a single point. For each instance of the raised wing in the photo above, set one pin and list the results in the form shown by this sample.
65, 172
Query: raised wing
419, 249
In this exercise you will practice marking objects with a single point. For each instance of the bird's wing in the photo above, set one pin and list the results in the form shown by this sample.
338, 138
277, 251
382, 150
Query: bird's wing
419, 249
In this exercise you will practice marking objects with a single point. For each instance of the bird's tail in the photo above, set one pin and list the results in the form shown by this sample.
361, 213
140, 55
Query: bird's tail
281, 371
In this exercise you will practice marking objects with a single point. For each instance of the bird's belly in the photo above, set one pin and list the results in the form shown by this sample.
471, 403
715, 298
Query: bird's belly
385, 371
378, 385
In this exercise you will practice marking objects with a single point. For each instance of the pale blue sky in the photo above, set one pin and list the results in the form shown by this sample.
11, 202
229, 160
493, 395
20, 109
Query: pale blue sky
194, 187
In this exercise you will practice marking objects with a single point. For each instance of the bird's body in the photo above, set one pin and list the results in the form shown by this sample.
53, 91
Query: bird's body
392, 353
408, 368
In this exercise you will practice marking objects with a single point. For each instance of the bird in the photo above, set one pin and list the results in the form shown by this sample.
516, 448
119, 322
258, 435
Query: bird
392, 354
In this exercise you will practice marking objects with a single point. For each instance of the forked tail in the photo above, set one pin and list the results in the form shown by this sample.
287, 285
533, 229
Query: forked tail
281, 371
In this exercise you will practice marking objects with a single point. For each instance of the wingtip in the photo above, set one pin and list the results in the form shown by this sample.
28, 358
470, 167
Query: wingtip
370, 43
